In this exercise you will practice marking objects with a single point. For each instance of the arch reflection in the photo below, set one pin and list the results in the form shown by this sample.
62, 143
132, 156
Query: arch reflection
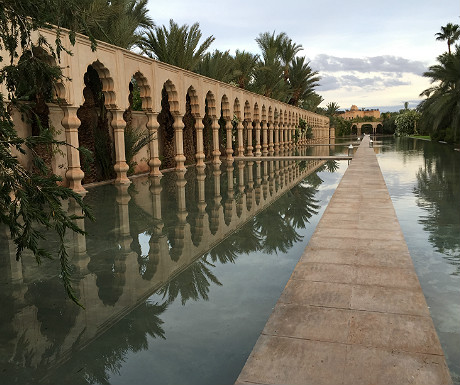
159, 235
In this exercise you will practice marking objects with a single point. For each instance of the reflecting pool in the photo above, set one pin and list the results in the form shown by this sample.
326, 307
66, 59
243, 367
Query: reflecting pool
178, 276
423, 179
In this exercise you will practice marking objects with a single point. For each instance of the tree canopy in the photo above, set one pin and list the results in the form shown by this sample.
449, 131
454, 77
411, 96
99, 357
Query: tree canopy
440, 111
449, 33
178, 45
31, 199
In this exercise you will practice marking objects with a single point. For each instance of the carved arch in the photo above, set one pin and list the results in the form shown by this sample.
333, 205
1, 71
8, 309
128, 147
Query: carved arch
108, 87
145, 90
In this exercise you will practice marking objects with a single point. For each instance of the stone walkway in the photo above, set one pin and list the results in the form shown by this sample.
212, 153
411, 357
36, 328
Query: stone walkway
353, 311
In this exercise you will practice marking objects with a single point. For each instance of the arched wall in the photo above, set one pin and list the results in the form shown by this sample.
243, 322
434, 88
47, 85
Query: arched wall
116, 67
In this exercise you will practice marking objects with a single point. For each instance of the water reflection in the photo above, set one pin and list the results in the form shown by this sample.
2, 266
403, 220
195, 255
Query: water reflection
423, 180
159, 236
437, 190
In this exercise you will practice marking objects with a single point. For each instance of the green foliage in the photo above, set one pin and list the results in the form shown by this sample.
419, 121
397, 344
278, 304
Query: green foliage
31, 202
235, 121
449, 33
102, 143
302, 125
135, 140
280, 74
277, 73
302, 80
136, 103
288, 52
179, 46
296, 134
441, 109
268, 76
244, 67
389, 125
359, 119
311, 103
222, 131
217, 65
332, 108
342, 126
304, 129
406, 123
118, 22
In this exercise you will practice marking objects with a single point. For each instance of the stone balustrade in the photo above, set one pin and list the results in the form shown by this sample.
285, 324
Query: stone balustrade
263, 126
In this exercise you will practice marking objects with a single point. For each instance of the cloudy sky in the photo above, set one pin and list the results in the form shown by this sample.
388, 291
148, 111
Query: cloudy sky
368, 53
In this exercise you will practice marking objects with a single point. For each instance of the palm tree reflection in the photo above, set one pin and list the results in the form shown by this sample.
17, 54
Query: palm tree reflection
192, 283
438, 189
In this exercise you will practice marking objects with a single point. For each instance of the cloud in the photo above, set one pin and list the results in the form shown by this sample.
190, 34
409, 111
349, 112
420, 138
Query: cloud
329, 82
385, 63
371, 83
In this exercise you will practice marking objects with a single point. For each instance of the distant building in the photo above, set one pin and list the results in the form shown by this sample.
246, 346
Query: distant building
354, 112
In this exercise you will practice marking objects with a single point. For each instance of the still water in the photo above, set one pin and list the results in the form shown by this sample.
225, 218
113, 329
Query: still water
178, 277
423, 179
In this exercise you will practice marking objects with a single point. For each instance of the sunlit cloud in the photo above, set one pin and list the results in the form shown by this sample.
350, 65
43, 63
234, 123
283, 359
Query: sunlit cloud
378, 81
384, 63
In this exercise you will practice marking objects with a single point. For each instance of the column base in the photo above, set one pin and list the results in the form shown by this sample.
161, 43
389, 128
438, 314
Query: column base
155, 164
74, 177
200, 160
121, 169
180, 162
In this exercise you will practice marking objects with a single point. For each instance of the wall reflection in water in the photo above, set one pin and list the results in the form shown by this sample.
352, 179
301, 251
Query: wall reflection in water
423, 179
156, 236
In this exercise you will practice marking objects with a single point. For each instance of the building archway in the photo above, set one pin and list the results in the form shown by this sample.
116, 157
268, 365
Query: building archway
94, 131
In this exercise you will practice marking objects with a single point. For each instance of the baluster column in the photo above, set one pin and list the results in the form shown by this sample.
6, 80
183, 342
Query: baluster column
74, 173
199, 142
249, 147
229, 132
152, 127
121, 167
179, 142
277, 137
215, 141
257, 147
263, 125
240, 138
270, 138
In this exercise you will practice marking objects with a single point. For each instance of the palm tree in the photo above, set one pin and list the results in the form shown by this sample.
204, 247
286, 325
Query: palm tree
244, 67
302, 205
268, 77
302, 80
128, 22
217, 65
332, 108
451, 33
179, 46
118, 22
312, 102
267, 42
192, 283
277, 232
287, 54
441, 109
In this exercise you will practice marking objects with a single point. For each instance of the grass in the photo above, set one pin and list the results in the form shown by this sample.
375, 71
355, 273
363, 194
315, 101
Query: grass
425, 137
